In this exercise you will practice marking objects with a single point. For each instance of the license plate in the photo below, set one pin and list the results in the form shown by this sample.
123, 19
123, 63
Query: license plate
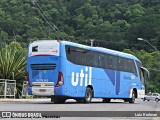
42, 90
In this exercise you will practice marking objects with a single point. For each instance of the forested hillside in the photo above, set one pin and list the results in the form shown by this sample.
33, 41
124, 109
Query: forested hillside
114, 24
111, 23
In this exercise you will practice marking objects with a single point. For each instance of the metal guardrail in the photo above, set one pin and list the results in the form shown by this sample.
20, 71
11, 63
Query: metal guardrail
7, 88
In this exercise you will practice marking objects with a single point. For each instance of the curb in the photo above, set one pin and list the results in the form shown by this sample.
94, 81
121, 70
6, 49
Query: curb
37, 100
25, 100
46, 100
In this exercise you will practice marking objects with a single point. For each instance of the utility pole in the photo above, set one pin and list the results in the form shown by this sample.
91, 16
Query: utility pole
92, 42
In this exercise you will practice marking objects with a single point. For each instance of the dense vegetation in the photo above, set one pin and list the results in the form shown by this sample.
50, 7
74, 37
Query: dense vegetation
114, 24
13, 64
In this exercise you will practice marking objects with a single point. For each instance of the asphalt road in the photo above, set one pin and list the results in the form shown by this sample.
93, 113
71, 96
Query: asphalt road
112, 108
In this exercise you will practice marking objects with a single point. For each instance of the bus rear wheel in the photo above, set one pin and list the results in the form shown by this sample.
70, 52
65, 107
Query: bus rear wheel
132, 100
88, 95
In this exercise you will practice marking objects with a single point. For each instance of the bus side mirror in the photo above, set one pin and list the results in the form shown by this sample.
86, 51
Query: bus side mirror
144, 69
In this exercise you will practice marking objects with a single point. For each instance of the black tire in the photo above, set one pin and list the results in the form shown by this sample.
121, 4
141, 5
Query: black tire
148, 100
88, 95
106, 100
58, 100
156, 100
132, 100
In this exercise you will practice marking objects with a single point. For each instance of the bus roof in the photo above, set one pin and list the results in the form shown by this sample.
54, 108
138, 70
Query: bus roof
101, 49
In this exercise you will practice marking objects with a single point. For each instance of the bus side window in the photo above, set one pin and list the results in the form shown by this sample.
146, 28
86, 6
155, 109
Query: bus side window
70, 53
131, 67
95, 59
109, 62
115, 62
126, 66
89, 58
121, 64
80, 56
102, 61
106, 61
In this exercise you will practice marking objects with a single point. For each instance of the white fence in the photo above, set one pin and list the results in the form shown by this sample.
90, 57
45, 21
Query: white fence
7, 88
24, 89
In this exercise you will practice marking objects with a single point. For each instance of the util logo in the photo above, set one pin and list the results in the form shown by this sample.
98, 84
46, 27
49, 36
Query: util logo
85, 78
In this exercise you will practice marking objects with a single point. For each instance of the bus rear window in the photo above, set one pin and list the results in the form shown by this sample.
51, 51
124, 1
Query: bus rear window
44, 48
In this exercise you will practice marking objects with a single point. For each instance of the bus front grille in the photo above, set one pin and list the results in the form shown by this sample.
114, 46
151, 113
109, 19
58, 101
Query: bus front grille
43, 66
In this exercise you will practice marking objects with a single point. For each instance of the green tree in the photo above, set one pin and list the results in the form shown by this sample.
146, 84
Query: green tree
13, 63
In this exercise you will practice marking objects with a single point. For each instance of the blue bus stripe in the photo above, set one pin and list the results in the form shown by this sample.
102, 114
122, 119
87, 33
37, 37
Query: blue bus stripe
117, 82
111, 75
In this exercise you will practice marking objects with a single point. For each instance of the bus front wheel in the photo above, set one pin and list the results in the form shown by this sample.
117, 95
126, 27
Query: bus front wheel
132, 100
88, 95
